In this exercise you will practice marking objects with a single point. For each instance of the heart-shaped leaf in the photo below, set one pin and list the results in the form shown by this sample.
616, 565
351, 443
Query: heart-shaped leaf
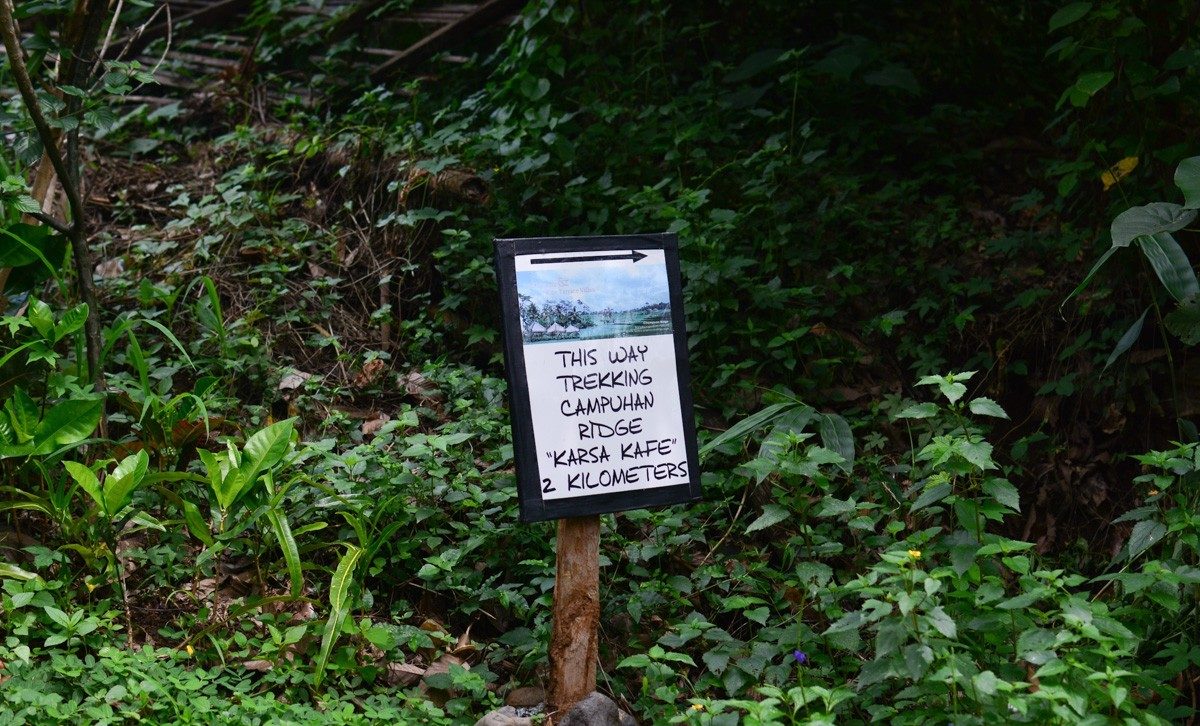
1187, 178
1149, 219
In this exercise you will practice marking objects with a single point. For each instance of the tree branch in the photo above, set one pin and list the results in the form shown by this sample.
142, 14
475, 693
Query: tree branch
52, 223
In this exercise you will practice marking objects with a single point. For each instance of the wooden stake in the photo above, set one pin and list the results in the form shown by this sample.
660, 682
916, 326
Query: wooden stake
574, 638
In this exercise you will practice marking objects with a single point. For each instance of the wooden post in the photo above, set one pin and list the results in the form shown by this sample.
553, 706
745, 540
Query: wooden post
574, 637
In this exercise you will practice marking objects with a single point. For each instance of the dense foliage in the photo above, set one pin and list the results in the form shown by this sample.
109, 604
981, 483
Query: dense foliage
293, 499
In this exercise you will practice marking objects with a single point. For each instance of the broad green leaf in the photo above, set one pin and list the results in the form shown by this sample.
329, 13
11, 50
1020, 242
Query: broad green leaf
1145, 535
1149, 219
983, 406
985, 683
339, 588
71, 321
748, 424
23, 414
1069, 14
1088, 85
58, 616
1127, 340
943, 622
919, 410
1004, 492
772, 514
12, 572
932, 495
265, 449
42, 318
952, 390
121, 483
1187, 178
1171, 265
1185, 321
20, 243
67, 423
230, 489
215, 467
87, 480
196, 524
836, 435
287, 542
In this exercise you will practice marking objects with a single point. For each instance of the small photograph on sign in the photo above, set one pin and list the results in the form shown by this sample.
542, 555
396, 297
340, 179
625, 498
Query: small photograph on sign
574, 297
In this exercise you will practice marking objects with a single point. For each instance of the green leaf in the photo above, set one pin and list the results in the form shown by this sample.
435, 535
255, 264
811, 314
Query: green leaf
123, 481
772, 514
987, 407
265, 449
748, 424
1187, 178
67, 423
1004, 492
836, 435
58, 616
1149, 219
87, 480
943, 622
12, 572
919, 410
71, 321
1127, 340
1088, 85
339, 588
1145, 535
1184, 321
1171, 265
42, 318
23, 413
196, 524
1069, 14
932, 495
287, 542
1088, 278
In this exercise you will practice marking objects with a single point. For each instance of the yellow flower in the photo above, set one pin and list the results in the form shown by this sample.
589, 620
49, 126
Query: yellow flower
1154, 492
90, 586
697, 706
190, 650
1118, 172
915, 554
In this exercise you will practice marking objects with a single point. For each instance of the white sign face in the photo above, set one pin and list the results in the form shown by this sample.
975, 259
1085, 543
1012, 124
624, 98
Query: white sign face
602, 374
600, 361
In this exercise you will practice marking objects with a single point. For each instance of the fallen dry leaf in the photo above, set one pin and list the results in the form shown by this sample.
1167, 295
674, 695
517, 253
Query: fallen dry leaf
403, 674
372, 426
370, 373
109, 269
294, 380
257, 665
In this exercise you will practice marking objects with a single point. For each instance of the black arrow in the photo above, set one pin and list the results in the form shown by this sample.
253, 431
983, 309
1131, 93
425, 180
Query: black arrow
633, 255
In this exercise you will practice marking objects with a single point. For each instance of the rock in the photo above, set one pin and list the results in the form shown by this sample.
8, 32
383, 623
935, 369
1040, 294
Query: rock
596, 709
506, 716
526, 697
626, 719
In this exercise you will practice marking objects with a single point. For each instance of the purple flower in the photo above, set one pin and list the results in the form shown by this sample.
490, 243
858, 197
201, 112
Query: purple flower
800, 656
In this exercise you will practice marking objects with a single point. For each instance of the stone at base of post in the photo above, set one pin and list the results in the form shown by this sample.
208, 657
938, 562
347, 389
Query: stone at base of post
574, 637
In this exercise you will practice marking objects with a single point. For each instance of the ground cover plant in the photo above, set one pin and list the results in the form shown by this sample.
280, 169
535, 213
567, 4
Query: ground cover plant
941, 316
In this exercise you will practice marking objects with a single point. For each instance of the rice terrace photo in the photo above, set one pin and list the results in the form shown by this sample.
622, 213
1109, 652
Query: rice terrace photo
581, 302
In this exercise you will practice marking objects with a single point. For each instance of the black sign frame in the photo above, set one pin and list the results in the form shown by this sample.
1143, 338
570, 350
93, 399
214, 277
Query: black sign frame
533, 507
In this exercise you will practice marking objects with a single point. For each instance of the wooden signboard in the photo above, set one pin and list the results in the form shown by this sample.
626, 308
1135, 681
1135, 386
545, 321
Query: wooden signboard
598, 373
